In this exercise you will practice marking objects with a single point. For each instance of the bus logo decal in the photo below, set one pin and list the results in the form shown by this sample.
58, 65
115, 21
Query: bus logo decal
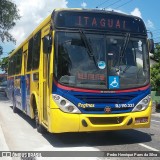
86, 105
107, 109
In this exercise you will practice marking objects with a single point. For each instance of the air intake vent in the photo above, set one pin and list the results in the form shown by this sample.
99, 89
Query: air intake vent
105, 99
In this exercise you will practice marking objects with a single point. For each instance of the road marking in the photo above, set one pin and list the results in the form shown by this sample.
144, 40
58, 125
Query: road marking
148, 147
155, 121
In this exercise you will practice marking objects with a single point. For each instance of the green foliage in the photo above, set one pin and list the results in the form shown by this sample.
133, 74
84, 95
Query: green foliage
157, 52
4, 63
8, 16
155, 77
155, 70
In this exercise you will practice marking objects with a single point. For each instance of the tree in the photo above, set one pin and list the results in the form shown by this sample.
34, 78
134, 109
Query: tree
155, 70
4, 63
157, 52
8, 15
155, 77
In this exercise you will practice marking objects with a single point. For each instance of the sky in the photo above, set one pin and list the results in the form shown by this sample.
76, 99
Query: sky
32, 12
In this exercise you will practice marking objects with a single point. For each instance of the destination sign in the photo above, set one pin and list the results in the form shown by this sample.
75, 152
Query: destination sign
99, 21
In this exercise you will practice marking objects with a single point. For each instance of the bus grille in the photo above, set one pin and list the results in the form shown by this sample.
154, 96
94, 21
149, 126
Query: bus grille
105, 99
106, 120
114, 110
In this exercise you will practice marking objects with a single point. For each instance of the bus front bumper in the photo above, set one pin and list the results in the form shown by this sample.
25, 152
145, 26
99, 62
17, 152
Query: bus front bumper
65, 122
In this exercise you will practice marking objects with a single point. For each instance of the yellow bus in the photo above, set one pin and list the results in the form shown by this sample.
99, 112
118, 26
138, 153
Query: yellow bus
83, 70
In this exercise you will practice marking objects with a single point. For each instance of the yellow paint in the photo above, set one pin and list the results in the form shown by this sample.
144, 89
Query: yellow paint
65, 122
56, 120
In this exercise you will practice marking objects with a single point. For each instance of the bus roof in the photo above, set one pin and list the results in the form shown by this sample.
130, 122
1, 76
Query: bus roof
73, 10
94, 19
112, 12
93, 11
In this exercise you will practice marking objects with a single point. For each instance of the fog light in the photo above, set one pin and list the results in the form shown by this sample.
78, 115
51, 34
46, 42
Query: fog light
70, 108
141, 120
63, 102
84, 123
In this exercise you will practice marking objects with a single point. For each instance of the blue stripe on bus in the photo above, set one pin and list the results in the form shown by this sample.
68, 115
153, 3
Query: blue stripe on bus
23, 92
101, 100
27, 91
20, 93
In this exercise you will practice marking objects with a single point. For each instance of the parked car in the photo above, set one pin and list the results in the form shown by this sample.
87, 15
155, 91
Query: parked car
3, 87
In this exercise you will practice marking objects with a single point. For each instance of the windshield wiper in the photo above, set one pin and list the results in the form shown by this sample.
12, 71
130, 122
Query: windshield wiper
125, 44
88, 46
123, 49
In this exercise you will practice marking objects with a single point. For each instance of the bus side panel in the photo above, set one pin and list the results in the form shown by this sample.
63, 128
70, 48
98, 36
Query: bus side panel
27, 90
17, 92
10, 88
23, 93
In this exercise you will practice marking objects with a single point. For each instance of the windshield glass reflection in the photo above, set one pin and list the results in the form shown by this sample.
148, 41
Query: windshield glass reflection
108, 61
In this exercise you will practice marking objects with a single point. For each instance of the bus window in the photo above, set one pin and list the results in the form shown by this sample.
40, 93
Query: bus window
29, 61
18, 61
36, 50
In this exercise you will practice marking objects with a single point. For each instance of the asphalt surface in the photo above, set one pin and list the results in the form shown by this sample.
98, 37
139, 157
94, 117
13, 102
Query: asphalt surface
18, 133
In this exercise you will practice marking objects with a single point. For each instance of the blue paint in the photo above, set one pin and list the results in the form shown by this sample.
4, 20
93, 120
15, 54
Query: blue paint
27, 91
17, 93
101, 100
10, 88
20, 94
23, 92
113, 82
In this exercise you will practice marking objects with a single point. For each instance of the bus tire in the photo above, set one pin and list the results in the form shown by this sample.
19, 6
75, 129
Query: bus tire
39, 127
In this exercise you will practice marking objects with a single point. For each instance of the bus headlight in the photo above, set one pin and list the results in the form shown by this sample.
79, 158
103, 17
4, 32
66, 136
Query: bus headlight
143, 104
65, 105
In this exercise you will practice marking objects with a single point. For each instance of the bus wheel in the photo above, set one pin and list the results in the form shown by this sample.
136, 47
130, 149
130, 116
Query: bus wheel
39, 127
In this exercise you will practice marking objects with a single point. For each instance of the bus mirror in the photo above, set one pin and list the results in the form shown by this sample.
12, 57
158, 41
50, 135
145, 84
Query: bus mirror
151, 45
47, 44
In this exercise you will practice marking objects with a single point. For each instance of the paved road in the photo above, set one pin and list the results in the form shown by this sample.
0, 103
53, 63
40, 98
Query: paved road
20, 135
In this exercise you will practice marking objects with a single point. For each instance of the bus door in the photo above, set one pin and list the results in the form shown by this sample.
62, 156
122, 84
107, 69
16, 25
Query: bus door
23, 79
45, 79
17, 79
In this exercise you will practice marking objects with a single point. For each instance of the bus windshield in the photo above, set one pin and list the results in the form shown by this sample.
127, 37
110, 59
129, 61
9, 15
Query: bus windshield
98, 61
